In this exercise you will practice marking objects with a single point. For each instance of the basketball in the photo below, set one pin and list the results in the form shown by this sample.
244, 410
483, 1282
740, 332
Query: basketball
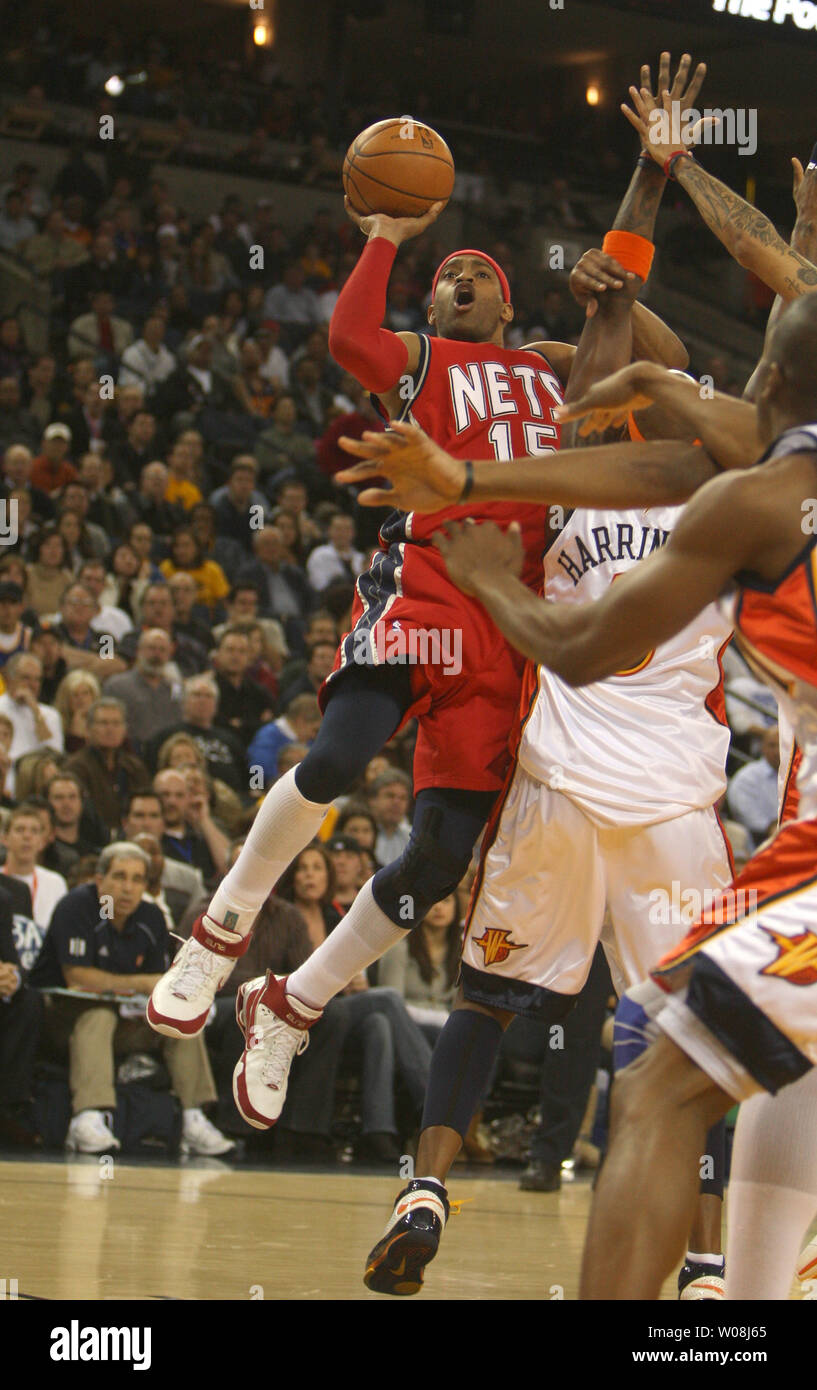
398, 167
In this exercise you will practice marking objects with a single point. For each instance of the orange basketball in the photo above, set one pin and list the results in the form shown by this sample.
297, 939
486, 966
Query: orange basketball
399, 167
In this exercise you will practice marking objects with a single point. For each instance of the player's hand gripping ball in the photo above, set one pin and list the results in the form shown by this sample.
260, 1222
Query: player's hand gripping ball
399, 167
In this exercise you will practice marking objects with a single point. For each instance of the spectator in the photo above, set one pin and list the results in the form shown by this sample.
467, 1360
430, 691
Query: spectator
15, 636
157, 611
282, 586
338, 559
51, 469
108, 617
274, 364
24, 839
190, 617
107, 507
16, 227
389, 800
107, 772
240, 510
243, 705
52, 249
35, 725
226, 552
17, 425
39, 392
320, 660
290, 302
194, 385
180, 883
81, 543
81, 645
181, 486
45, 644
191, 835
104, 938
76, 828
346, 857
147, 362
138, 447
21, 1011
281, 445
100, 332
223, 750
17, 464
752, 794
151, 702
75, 695
359, 824
150, 500
313, 400
299, 724
47, 575
185, 557
424, 967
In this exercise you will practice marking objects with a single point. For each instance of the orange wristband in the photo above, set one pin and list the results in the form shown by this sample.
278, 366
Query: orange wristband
635, 432
631, 251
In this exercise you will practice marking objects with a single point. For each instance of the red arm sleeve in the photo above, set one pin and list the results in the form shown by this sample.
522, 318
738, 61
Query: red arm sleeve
374, 356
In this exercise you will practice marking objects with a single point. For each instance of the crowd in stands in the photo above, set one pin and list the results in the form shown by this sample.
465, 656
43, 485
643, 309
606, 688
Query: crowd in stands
177, 564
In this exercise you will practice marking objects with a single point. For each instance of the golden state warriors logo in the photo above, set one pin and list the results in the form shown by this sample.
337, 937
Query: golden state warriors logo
496, 945
797, 958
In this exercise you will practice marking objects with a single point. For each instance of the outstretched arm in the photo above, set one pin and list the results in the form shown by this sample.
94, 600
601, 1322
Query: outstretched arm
803, 241
649, 604
747, 235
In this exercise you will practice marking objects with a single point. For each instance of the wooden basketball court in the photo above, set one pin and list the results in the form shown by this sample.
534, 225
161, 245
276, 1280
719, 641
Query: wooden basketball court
92, 1229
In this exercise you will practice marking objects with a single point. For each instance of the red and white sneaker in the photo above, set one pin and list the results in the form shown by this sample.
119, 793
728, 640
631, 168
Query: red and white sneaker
275, 1033
182, 999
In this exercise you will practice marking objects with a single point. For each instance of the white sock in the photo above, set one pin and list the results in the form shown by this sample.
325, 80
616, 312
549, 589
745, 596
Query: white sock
285, 823
773, 1190
360, 938
714, 1261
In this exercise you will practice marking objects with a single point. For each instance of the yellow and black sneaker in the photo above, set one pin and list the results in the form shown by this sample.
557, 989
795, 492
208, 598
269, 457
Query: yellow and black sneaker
410, 1240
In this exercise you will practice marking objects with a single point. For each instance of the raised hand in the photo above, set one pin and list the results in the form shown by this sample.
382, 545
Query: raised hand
686, 96
478, 556
654, 113
394, 229
594, 273
609, 402
423, 476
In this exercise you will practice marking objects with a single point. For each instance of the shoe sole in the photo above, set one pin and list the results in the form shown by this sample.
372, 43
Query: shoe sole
174, 1028
399, 1267
240, 1096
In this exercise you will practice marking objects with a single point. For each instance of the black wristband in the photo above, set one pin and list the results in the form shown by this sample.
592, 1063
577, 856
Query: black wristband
469, 481
812, 164
645, 160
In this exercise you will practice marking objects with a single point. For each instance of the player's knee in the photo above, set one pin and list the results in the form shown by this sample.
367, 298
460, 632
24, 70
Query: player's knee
406, 889
329, 769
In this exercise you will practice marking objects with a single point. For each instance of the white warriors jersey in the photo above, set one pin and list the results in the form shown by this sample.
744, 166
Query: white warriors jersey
648, 743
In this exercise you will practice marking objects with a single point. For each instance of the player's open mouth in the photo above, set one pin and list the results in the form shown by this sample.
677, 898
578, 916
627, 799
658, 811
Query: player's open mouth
463, 297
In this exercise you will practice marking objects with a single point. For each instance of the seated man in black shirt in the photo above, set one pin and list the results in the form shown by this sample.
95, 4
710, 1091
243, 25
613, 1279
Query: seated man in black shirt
104, 939
20, 1019
243, 705
224, 753
77, 828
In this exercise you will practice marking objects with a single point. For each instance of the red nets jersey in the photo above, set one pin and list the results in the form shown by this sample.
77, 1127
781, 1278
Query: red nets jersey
480, 401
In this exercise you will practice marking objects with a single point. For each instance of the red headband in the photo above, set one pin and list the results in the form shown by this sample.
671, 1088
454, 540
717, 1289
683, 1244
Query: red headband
483, 256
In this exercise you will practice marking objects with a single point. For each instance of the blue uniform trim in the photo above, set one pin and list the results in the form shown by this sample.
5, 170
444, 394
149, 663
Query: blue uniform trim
742, 1027
516, 996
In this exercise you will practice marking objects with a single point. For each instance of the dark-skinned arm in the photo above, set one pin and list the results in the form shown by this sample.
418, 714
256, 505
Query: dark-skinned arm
803, 241
648, 605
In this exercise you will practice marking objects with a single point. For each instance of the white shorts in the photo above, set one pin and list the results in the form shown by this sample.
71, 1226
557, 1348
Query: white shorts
740, 990
546, 874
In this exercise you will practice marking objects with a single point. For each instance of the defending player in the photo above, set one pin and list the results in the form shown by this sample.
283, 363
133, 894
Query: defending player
736, 1007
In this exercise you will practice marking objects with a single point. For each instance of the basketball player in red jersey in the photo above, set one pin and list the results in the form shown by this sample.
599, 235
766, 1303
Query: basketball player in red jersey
732, 1011
417, 648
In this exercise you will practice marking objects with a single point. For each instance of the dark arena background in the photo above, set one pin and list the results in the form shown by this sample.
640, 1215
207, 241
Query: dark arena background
174, 542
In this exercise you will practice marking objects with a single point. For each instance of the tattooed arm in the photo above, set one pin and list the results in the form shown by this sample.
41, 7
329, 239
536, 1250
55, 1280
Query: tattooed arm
747, 234
803, 241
